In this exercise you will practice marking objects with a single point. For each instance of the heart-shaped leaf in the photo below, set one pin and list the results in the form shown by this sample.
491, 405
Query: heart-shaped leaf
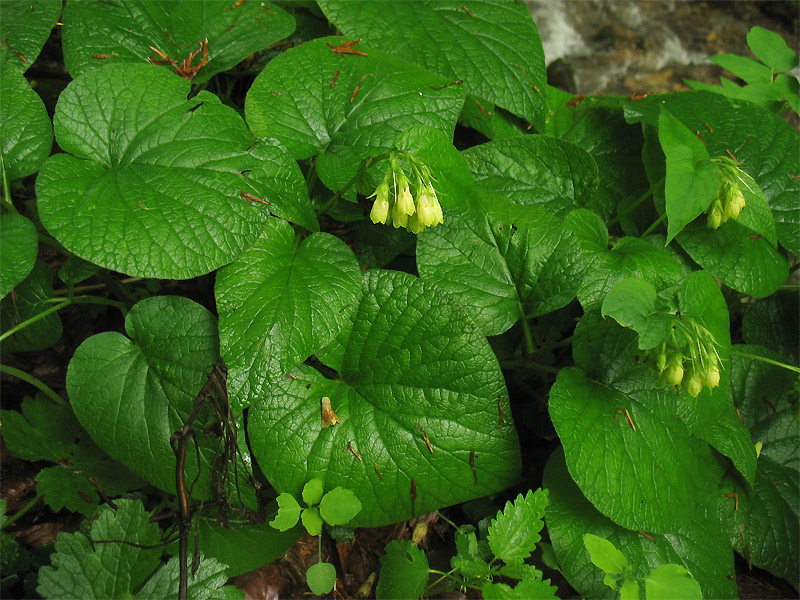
167, 33
24, 29
18, 246
424, 419
132, 393
459, 40
349, 106
641, 468
26, 135
513, 262
700, 545
279, 302
155, 185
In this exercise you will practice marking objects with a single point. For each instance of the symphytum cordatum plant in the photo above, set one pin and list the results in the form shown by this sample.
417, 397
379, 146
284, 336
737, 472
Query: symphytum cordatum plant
428, 269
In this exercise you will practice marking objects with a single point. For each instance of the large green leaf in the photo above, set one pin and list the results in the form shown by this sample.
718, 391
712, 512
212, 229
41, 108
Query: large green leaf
18, 246
132, 393
345, 106
629, 257
279, 302
26, 135
743, 260
413, 371
30, 298
767, 530
535, 169
692, 180
24, 28
649, 478
156, 185
699, 544
124, 31
765, 144
490, 45
513, 262
774, 322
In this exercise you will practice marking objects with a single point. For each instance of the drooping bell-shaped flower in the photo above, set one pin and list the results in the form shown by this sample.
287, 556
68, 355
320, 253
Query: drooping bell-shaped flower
380, 208
428, 207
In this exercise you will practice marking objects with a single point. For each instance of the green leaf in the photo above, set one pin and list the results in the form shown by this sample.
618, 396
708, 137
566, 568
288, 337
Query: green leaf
242, 546
490, 120
692, 179
616, 148
94, 37
404, 571
24, 29
74, 270
18, 247
645, 479
312, 521
412, 368
760, 389
339, 506
773, 322
557, 175
525, 589
279, 302
30, 299
629, 257
471, 567
629, 590
26, 135
514, 533
514, 262
82, 569
288, 513
771, 49
64, 488
312, 492
132, 393
321, 578
769, 156
743, 261
159, 195
672, 582
206, 583
293, 101
604, 554
699, 544
458, 40
42, 431
744, 68
730, 437
633, 303
764, 532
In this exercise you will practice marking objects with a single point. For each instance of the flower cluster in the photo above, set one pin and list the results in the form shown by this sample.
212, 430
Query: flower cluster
687, 355
394, 202
729, 201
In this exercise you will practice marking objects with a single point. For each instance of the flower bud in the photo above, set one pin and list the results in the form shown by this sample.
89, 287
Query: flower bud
661, 361
711, 376
673, 375
715, 217
694, 384
735, 203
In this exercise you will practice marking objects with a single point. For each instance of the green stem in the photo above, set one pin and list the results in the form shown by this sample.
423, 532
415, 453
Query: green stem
365, 164
41, 386
95, 286
766, 360
34, 318
635, 205
22, 510
62, 304
789, 287
655, 224
7, 190
48, 241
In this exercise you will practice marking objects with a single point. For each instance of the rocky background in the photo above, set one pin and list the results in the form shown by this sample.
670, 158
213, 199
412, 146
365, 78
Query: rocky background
625, 47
